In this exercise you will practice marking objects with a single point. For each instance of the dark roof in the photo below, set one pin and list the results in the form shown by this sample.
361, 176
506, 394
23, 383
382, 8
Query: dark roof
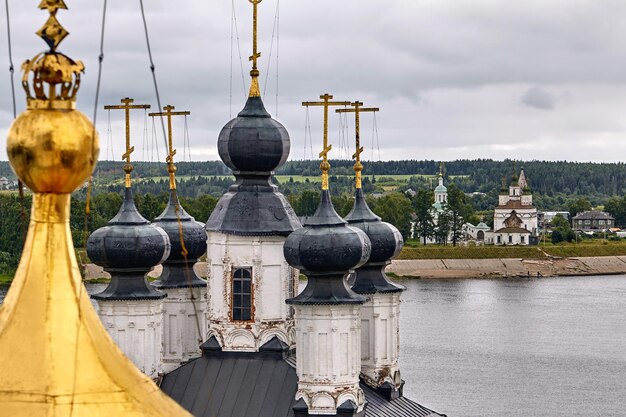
128, 247
324, 250
253, 145
515, 204
234, 384
378, 406
593, 215
257, 384
512, 230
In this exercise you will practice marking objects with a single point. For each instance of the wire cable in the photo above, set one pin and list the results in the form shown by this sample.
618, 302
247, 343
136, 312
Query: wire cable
152, 70
243, 81
20, 184
11, 67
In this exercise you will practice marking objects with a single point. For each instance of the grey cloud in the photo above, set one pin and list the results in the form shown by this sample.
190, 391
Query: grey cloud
442, 72
539, 98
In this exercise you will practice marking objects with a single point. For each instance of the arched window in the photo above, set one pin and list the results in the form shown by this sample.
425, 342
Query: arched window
242, 294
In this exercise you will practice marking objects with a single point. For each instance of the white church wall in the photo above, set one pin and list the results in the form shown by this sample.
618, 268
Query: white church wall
273, 281
136, 327
329, 356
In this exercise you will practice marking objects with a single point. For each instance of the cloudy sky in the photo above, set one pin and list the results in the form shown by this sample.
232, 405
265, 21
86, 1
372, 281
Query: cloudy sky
533, 79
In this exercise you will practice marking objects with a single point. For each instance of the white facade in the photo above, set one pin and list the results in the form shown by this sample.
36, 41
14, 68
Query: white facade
328, 362
273, 281
184, 325
515, 217
135, 326
528, 217
380, 339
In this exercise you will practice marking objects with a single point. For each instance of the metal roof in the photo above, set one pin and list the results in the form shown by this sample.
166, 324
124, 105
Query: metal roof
258, 384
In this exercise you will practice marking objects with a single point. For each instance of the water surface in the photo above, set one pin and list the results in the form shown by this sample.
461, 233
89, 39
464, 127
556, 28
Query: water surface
516, 347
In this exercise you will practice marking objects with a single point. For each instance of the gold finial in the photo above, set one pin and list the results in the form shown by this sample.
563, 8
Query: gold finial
56, 357
171, 168
358, 167
254, 72
52, 68
441, 168
325, 166
127, 106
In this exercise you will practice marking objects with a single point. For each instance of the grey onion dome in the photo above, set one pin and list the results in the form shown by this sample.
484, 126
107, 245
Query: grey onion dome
253, 145
253, 141
325, 249
128, 247
177, 270
386, 241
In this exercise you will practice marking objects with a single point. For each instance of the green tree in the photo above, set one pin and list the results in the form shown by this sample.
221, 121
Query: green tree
394, 208
460, 209
578, 206
442, 229
306, 203
423, 205
561, 230
617, 208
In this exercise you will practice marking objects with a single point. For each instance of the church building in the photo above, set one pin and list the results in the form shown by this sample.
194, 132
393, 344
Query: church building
515, 217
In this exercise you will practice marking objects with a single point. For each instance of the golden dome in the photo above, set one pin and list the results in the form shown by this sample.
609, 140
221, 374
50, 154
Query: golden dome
52, 151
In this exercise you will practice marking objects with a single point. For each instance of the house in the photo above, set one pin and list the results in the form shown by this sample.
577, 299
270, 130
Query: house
593, 220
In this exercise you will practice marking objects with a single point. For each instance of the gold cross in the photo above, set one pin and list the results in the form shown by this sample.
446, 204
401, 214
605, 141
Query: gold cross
171, 168
357, 110
325, 166
254, 72
127, 106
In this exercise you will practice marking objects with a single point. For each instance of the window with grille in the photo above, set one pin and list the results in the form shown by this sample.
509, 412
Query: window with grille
242, 294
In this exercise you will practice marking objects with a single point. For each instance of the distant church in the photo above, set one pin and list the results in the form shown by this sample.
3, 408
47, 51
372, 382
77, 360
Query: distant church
515, 217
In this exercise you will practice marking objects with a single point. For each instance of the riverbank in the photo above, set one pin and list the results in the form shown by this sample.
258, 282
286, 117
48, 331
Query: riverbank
467, 268
508, 267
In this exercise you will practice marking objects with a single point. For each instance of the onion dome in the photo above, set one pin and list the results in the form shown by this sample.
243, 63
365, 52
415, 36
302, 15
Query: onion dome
325, 249
386, 243
128, 247
253, 145
177, 269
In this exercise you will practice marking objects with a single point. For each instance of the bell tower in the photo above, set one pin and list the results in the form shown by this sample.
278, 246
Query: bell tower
249, 278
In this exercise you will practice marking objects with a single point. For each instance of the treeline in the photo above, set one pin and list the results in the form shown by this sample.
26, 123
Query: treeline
597, 181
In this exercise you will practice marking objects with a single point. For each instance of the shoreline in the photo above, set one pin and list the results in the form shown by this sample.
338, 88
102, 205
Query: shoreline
507, 267
495, 268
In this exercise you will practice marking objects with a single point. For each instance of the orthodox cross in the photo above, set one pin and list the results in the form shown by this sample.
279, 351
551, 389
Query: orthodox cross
127, 106
325, 166
170, 149
358, 167
441, 169
254, 72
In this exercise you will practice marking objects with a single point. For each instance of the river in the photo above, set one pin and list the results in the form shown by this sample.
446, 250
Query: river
515, 347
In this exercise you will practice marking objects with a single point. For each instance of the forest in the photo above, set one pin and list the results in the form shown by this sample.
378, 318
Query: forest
474, 185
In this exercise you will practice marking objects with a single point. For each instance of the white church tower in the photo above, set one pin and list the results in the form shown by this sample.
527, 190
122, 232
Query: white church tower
128, 247
328, 312
249, 278
184, 309
380, 314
